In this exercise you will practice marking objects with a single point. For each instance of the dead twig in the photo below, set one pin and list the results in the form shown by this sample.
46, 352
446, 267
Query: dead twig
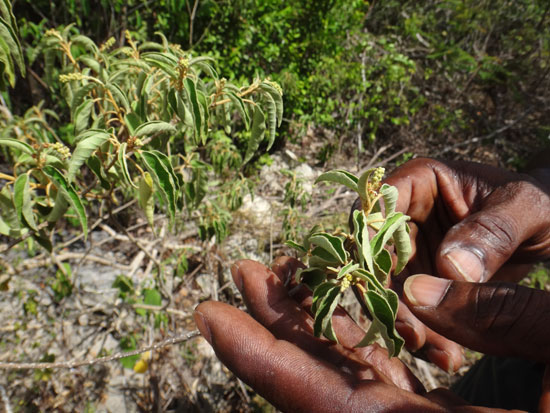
79, 363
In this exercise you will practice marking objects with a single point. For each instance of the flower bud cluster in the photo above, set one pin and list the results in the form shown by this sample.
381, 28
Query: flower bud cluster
71, 76
274, 85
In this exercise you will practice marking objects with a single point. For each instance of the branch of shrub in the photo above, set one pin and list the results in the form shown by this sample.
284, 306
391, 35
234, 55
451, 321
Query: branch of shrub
80, 363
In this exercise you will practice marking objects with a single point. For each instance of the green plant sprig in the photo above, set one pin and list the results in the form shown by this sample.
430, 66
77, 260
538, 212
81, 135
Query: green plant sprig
360, 259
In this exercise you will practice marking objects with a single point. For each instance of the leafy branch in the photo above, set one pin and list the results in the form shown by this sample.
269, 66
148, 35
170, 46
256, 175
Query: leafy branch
360, 259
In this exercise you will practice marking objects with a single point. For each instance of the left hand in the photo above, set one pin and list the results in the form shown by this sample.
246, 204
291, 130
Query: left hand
276, 353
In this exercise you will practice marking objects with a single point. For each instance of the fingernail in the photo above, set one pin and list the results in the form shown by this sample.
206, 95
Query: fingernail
202, 325
237, 278
426, 291
467, 264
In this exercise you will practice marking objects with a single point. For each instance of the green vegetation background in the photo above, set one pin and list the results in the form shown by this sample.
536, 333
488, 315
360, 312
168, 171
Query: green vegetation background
410, 73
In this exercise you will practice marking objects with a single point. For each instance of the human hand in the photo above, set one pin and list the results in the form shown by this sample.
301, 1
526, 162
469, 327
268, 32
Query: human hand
468, 222
277, 355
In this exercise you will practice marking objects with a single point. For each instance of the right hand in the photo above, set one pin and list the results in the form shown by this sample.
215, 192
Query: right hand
469, 222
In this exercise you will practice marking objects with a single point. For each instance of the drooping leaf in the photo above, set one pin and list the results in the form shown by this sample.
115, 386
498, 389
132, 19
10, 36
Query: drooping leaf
89, 141
163, 181
361, 235
339, 176
22, 201
383, 323
69, 194
324, 309
296, 246
311, 277
257, 133
383, 264
389, 195
271, 119
191, 90
277, 98
82, 116
403, 246
239, 104
123, 165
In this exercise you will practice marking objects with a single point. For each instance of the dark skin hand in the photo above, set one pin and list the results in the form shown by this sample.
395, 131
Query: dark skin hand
469, 222
274, 351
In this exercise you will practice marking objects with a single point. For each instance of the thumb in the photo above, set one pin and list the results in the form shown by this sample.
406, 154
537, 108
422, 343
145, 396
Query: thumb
475, 248
501, 319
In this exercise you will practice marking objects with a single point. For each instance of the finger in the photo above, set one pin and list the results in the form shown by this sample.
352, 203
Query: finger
289, 377
475, 248
426, 343
495, 318
268, 301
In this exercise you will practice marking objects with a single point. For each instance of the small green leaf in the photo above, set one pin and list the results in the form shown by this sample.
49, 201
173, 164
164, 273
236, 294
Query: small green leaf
22, 201
361, 235
296, 246
339, 176
152, 297
347, 269
191, 90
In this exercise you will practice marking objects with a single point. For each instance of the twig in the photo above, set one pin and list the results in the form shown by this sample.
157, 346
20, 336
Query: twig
5, 399
159, 308
24, 237
73, 364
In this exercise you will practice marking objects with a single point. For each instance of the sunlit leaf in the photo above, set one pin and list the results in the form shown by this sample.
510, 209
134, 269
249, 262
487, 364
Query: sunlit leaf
15, 144
154, 127
339, 176
123, 165
330, 243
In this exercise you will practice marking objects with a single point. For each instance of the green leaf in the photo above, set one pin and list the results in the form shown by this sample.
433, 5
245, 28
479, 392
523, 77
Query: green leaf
19, 145
325, 306
97, 168
370, 280
330, 243
163, 181
164, 61
339, 176
257, 133
89, 141
391, 224
80, 94
296, 246
383, 323
123, 165
145, 197
86, 42
82, 116
205, 113
69, 194
361, 235
383, 264
152, 297
311, 277
154, 127
277, 98
191, 90
402, 242
239, 104
271, 120
347, 269
119, 95
389, 195
22, 201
